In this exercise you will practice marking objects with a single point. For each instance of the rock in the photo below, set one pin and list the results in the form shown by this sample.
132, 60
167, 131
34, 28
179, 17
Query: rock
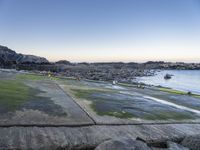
175, 146
7, 56
192, 142
23, 59
123, 144
10, 57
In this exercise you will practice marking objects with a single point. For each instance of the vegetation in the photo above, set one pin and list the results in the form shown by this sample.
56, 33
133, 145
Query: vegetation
172, 91
31, 77
99, 105
14, 93
85, 94
122, 114
127, 84
35, 77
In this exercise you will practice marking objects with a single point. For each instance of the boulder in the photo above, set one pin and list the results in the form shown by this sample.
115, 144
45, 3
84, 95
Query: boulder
10, 57
192, 142
23, 59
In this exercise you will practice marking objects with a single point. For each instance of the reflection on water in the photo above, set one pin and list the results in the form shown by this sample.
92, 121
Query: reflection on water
184, 80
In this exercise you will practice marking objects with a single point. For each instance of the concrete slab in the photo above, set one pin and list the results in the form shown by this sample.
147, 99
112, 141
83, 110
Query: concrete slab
38, 102
51, 138
114, 104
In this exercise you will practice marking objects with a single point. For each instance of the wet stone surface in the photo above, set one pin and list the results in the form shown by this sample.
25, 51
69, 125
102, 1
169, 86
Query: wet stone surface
68, 123
41, 100
117, 104
37, 102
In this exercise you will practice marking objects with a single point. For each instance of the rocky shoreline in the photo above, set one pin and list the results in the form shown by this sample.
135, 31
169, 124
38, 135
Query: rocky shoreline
122, 72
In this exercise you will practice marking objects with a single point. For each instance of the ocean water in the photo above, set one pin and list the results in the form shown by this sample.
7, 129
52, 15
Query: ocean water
184, 80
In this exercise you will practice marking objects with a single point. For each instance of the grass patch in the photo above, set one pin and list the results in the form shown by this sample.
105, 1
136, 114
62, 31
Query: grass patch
172, 91
14, 93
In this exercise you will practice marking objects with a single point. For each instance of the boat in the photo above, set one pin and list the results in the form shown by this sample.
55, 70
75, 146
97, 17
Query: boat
168, 76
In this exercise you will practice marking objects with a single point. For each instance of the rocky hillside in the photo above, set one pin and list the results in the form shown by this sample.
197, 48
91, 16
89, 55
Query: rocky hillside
9, 57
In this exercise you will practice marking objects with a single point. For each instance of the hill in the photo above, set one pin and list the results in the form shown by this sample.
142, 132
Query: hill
9, 58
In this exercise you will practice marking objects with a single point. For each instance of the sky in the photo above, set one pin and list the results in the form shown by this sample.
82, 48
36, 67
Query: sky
103, 30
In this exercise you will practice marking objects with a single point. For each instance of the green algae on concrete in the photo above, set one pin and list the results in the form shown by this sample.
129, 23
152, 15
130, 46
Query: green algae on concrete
172, 91
85, 94
113, 103
35, 77
14, 93
31, 99
118, 114
31, 77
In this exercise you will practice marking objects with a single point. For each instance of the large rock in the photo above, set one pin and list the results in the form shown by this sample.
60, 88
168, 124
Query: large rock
7, 55
123, 144
31, 59
10, 57
192, 142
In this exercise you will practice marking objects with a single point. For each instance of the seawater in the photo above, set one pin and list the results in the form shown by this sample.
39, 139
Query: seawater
184, 80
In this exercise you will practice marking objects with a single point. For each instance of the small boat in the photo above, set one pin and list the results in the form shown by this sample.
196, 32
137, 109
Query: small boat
168, 76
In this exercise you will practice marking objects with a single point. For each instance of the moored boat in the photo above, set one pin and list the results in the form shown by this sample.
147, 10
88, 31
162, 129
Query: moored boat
168, 76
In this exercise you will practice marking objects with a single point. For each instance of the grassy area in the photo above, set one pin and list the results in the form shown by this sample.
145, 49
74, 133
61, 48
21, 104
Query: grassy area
13, 93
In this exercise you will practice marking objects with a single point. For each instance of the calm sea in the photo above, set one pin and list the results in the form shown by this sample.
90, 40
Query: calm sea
184, 80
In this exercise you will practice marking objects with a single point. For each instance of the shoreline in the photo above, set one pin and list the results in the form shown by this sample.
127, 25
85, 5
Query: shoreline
182, 80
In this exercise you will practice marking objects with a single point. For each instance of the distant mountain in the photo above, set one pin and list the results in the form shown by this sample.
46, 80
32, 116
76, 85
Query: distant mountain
9, 57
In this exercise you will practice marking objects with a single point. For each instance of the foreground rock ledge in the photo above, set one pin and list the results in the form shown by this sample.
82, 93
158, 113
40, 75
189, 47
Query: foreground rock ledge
89, 137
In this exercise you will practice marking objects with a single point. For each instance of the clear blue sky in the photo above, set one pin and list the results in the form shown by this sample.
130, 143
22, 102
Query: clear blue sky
103, 30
